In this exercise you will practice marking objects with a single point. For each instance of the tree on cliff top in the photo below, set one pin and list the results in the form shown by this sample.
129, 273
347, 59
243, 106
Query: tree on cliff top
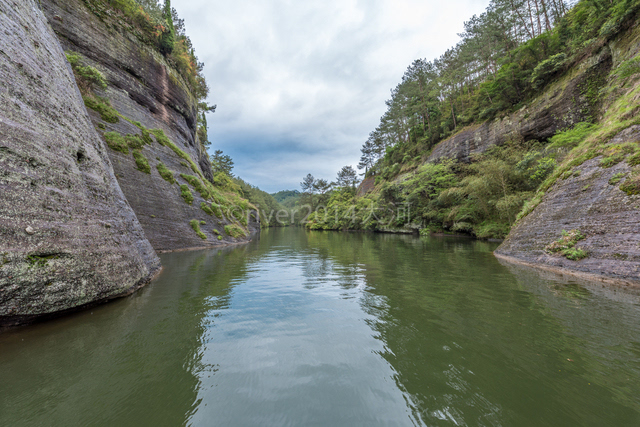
168, 37
347, 177
221, 163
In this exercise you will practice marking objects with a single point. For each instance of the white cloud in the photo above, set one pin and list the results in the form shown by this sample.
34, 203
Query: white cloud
300, 84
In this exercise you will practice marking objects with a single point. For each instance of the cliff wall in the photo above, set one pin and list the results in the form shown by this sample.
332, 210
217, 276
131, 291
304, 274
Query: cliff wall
563, 104
596, 190
147, 93
68, 237
586, 201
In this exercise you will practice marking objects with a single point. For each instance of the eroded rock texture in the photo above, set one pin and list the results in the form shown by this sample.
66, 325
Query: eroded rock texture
143, 88
589, 201
68, 237
563, 104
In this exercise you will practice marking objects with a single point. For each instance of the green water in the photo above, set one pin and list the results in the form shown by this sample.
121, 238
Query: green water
334, 329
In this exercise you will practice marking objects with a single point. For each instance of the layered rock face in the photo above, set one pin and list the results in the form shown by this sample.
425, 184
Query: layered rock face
599, 200
563, 104
68, 237
144, 88
587, 201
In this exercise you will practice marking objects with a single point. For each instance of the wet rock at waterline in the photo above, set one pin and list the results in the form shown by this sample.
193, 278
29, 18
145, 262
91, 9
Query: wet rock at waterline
68, 237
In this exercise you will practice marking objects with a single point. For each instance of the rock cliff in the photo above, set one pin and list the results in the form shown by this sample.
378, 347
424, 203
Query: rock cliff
68, 237
563, 104
149, 95
596, 191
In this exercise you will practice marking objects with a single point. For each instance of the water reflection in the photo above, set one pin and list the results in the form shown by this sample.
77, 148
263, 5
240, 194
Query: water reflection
132, 362
327, 328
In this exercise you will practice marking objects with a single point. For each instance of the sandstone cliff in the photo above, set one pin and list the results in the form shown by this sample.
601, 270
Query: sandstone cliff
149, 95
596, 190
68, 237
563, 104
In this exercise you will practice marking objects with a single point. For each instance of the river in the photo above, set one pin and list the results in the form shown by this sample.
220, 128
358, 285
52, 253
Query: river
335, 329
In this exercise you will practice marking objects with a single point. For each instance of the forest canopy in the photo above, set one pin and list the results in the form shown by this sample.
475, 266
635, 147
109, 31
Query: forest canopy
504, 58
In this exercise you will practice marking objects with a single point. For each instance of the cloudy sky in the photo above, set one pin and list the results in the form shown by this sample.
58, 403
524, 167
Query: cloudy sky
300, 84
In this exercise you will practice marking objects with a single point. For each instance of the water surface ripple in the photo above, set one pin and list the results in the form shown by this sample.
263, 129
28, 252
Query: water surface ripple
335, 329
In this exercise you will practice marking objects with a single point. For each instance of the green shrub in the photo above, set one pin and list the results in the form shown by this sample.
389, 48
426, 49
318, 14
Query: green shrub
160, 137
87, 77
631, 186
206, 208
574, 254
146, 136
634, 160
612, 160
234, 231
565, 246
617, 178
219, 237
134, 141
197, 184
101, 105
217, 210
186, 193
165, 173
572, 137
195, 224
141, 162
628, 68
216, 232
116, 142
547, 69
239, 215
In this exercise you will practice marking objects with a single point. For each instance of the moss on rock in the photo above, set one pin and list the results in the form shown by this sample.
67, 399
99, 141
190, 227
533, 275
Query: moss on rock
186, 193
165, 173
195, 224
116, 142
142, 163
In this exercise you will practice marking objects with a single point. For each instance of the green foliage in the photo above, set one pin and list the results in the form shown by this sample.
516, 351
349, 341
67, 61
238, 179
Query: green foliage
234, 231
197, 184
546, 69
134, 141
501, 63
239, 215
628, 68
145, 135
116, 142
221, 163
195, 224
565, 246
206, 208
103, 107
168, 36
634, 160
161, 137
87, 77
216, 232
219, 237
165, 173
142, 163
631, 185
571, 138
267, 205
612, 160
217, 210
615, 179
223, 181
186, 193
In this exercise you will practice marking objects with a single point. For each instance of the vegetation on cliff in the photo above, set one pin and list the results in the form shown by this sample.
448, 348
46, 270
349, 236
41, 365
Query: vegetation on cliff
507, 57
